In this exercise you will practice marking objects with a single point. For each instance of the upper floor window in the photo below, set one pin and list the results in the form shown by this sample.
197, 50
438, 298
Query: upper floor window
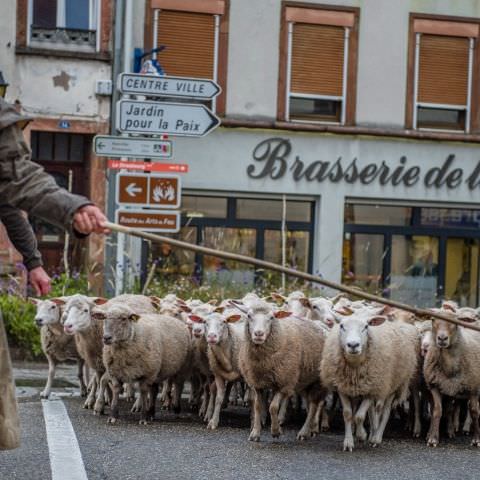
64, 24
319, 65
194, 37
442, 74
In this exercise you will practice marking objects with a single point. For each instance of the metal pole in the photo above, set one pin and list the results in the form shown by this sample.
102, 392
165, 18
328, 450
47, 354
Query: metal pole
471, 46
289, 71
345, 74
423, 312
67, 235
415, 80
284, 237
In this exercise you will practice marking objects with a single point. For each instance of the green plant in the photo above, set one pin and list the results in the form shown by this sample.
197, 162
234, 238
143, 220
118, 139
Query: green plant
69, 285
18, 315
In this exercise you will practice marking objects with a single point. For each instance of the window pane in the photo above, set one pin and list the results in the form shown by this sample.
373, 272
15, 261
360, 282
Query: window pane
61, 147
414, 272
363, 261
77, 14
238, 240
215, 207
296, 248
450, 217
441, 118
461, 276
45, 13
318, 110
45, 146
77, 146
377, 215
250, 209
172, 261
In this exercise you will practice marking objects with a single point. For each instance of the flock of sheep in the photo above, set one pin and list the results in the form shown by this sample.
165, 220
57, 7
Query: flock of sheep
272, 353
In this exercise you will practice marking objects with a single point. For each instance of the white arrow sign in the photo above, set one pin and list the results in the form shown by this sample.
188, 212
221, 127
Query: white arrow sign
181, 119
133, 147
132, 189
163, 86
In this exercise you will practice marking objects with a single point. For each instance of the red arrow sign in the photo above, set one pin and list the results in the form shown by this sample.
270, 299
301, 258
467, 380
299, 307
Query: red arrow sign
148, 166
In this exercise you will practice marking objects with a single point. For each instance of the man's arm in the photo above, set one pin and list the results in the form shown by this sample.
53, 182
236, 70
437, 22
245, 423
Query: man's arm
23, 238
25, 185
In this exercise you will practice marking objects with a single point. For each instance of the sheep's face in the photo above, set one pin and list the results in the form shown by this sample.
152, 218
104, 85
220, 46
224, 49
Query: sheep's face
48, 313
198, 329
444, 333
117, 324
77, 315
425, 342
259, 324
323, 310
354, 332
215, 328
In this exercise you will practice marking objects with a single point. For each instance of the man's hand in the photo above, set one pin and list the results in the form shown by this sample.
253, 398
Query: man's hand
40, 281
89, 219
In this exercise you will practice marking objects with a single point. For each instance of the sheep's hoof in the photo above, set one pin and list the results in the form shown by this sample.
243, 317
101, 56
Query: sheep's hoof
143, 422
475, 442
44, 394
374, 444
466, 433
112, 420
302, 437
254, 437
211, 425
325, 428
432, 442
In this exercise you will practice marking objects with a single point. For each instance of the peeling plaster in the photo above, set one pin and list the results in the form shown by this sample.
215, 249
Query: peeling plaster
63, 80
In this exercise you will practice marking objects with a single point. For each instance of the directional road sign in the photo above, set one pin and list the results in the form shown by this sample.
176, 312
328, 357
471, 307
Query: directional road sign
148, 190
164, 86
148, 166
131, 147
181, 119
149, 220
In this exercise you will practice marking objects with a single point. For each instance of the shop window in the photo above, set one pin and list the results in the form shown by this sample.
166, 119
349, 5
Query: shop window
253, 209
443, 74
296, 248
358, 214
64, 24
213, 207
59, 147
450, 217
319, 65
237, 240
194, 37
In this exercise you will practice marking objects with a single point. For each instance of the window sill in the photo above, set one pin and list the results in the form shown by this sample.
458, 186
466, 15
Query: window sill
350, 130
45, 52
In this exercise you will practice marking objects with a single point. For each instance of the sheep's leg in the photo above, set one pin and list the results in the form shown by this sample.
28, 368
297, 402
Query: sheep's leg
347, 419
473, 408
360, 415
257, 415
417, 424
378, 434
86, 374
227, 395
282, 414
129, 392
467, 424
90, 401
100, 402
306, 430
205, 398
211, 401
456, 418
153, 400
319, 412
265, 402
116, 387
247, 397
221, 394
450, 412
81, 380
434, 433
177, 389
52, 367
145, 390
276, 430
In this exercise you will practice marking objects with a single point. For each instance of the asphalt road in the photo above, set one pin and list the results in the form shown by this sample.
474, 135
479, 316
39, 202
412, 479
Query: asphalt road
179, 447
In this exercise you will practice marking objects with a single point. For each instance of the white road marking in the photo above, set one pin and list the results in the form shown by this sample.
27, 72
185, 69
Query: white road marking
65, 456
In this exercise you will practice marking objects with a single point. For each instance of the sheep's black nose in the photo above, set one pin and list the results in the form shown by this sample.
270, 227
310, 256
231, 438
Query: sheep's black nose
353, 345
107, 339
39, 321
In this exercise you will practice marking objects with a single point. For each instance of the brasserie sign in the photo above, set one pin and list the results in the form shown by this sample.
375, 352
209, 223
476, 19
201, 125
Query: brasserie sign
273, 158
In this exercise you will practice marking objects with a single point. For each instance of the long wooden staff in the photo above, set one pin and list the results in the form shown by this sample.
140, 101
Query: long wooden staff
421, 312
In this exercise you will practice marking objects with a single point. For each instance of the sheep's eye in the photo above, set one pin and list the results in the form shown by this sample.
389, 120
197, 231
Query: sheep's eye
342, 327
52, 307
365, 327
86, 310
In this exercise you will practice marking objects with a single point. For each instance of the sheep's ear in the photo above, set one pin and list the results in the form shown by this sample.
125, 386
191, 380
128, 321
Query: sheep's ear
99, 315
448, 306
213, 301
219, 309
337, 297
386, 310
344, 311
133, 317
33, 301
100, 300
184, 308
156, 302
468, 319
233, 318
305, 302
282, 314
58, 301
196, 319
377, 320
278, 298
239, 306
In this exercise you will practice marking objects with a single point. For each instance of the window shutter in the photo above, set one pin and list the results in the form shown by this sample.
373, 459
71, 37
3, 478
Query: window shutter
190, 41
443, 69
317, 59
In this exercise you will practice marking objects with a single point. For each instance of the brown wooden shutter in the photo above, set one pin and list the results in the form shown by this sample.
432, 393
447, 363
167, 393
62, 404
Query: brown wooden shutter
190, 41
317, 59
443, 69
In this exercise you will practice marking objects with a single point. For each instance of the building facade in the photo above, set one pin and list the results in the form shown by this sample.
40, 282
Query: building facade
362, 115
56, 56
